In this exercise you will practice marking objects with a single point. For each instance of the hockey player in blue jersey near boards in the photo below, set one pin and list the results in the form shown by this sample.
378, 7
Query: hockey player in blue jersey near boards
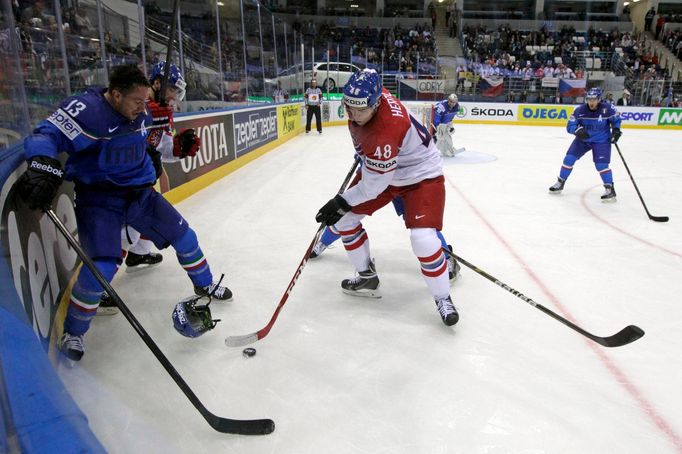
596, 125
443, 114
104, 131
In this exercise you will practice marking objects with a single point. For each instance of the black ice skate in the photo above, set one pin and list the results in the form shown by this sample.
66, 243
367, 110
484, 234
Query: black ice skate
73, 347
137, 262
557, 187
447, 311
609, 194
453, 267
107, 305
221, 292
365, 284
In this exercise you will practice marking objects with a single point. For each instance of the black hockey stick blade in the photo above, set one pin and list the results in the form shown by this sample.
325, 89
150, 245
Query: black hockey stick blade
659, 218
241, 426
623, 337
639, 194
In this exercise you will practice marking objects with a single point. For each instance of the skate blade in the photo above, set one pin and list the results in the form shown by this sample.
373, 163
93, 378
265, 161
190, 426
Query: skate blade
107, 311
555, 192
65, 361
611, 200
363, 293
142, 267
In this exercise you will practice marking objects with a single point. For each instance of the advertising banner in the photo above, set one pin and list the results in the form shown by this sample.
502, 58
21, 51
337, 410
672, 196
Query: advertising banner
543, 114
288, 119
429, 85
638, 116
670, 117
40, 260
486, 111
217, 149
253, 129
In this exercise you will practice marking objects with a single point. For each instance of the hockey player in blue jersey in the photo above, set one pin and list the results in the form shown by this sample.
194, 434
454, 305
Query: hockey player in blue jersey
596, 125
137, 250
104, 132
443, 114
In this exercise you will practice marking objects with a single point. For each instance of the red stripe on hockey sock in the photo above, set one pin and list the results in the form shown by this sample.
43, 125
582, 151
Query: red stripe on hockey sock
605, 170
81, 308
431, 258
567, 167
350, 232
436, 273
198, 265
357, 243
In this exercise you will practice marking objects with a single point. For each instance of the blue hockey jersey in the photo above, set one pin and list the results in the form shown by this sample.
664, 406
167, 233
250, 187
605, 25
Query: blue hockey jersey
103, 146
598, 123
443, 113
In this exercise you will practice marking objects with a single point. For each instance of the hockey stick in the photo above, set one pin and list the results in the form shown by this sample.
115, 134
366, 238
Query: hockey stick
625, 336
245, 339
169, 51
224, 425
653, 218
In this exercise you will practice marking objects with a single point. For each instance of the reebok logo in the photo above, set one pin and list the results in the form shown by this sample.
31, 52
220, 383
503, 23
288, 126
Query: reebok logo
47, 168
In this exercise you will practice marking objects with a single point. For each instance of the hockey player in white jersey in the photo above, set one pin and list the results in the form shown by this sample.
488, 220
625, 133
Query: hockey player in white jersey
443, 114
399, 159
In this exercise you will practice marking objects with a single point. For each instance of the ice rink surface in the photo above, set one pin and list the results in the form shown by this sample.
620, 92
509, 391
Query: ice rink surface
348, 375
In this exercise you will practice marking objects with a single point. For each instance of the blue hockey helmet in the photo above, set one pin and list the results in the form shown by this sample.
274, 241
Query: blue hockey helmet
594, 93
193, 320
363, 89
175, 78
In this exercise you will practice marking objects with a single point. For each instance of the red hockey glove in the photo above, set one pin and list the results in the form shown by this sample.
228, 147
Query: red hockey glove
162, 121
185, 144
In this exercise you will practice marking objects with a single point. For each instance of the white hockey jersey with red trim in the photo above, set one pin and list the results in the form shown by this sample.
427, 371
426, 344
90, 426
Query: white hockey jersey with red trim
396, 150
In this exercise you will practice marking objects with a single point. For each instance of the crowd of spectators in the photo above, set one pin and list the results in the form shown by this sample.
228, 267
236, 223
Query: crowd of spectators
502, 51
37, 29
533, 55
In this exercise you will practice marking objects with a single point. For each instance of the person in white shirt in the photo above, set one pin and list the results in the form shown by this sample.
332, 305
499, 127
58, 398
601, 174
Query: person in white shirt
279, 95
625, 99
313, 100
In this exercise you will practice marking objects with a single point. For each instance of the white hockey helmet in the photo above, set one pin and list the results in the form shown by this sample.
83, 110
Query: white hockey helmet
452, 100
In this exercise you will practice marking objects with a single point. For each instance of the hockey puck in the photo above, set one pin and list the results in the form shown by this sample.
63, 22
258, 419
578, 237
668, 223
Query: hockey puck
249, 352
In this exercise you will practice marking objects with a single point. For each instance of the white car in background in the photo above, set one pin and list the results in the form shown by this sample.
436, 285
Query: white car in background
329, 76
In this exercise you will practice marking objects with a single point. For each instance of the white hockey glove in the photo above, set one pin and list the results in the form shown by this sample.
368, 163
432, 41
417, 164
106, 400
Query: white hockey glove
165, 147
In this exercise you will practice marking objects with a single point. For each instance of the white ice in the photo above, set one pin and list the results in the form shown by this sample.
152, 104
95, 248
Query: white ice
347, 375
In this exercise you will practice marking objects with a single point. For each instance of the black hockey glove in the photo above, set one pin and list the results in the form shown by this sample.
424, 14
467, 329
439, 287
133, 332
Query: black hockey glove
332, 211
615, 135
39, 184
156, 161
581, 133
